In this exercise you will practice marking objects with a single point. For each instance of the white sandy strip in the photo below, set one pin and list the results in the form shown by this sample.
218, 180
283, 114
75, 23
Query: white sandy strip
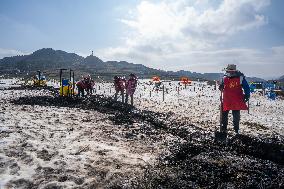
75, 138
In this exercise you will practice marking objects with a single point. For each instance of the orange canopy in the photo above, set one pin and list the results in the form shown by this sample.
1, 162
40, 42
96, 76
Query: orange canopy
155, 78
185, 80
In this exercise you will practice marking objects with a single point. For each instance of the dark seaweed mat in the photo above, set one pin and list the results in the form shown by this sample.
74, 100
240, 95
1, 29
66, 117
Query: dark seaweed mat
121, 113
242, 162
28, 87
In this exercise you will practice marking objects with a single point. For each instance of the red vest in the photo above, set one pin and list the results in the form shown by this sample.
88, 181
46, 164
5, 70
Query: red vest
119, 84
81, 84
131, 86
233, 97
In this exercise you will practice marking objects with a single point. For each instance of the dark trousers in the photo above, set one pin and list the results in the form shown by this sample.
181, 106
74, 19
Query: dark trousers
89, 91
80, 91
131, 99
121, 93
236, 120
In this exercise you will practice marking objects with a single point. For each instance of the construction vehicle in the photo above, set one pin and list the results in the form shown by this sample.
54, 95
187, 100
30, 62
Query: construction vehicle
38, 80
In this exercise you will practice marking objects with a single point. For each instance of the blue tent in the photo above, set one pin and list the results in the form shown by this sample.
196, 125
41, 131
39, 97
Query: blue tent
271, 95
269, 86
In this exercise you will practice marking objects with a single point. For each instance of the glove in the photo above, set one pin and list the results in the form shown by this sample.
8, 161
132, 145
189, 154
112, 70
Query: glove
246, 98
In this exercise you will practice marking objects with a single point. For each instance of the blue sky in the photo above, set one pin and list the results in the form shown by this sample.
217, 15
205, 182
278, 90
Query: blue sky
69, 25
195, 35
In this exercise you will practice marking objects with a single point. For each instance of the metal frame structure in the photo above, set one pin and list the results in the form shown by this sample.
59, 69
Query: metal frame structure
71, 74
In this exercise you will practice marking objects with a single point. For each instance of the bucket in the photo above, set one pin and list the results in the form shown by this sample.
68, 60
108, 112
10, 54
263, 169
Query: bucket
65, 91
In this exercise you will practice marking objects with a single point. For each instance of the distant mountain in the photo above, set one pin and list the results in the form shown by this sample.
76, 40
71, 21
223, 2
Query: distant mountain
206, 76
43, 59
255, 79
211, 76
50, 61
93, 61
281, 79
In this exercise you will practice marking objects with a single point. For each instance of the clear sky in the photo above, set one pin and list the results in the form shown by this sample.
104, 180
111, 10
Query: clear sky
195, 35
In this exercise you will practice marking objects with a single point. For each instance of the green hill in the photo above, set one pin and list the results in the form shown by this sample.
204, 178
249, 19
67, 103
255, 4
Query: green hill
49, 61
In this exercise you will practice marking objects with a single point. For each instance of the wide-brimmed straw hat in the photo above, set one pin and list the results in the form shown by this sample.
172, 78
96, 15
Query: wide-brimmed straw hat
231, 67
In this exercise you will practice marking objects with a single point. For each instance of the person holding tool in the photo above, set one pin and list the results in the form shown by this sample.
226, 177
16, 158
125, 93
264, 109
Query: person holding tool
235, 92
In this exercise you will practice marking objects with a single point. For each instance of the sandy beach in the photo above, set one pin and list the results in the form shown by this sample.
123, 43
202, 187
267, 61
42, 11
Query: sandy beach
94, 142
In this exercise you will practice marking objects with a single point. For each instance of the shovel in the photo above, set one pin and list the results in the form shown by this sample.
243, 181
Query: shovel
219, 134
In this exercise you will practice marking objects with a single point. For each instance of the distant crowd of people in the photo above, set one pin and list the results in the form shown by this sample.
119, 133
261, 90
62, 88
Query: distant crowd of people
85, 84
123, 87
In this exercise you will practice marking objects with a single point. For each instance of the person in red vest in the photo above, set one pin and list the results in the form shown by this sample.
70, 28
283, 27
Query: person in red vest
81, 85
236, 93
119, 85
131, 85
89, 84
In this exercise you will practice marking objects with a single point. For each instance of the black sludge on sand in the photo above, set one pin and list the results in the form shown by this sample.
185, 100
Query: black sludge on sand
96, 102
267, 149
194, 161
245, 162
30, 87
